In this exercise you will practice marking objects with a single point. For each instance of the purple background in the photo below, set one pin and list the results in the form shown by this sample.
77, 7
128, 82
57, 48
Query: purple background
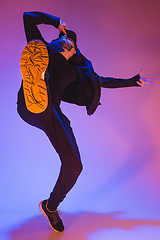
119, 144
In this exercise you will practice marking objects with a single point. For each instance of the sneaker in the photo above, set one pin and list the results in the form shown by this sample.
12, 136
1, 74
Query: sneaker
54, 219
34, 61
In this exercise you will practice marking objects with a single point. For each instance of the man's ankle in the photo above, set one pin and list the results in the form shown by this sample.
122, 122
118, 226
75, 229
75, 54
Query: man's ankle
50, 208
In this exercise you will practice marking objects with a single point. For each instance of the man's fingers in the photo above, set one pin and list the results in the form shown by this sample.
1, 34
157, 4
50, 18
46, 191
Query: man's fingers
141, 80
144, 80
150, 80
63, 24
141, 71
140, 83
61, 29
64, 31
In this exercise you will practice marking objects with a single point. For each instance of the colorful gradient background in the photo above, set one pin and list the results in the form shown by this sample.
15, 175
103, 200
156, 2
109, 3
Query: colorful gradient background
117, 195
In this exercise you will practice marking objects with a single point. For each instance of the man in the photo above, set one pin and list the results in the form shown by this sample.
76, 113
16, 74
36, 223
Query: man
53, 72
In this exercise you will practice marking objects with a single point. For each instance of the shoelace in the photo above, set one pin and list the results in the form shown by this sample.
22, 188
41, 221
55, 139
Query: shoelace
55, 216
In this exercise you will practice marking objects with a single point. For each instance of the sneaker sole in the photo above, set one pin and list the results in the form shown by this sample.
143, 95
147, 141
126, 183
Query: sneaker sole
34, 61
43, 212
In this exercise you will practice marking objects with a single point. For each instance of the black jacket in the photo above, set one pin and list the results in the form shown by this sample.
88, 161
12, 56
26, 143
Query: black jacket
85, 89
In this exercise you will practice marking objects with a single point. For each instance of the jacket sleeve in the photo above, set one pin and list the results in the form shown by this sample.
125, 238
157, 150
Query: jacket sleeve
106, 82
32, 19
109, 82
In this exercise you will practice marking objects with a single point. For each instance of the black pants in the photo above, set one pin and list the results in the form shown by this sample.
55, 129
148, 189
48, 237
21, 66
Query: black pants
57, 127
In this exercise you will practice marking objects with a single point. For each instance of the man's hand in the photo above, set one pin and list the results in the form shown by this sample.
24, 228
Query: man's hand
62, 27
144, 80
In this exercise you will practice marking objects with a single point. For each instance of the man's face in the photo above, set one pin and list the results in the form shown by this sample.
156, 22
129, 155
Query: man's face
69, 42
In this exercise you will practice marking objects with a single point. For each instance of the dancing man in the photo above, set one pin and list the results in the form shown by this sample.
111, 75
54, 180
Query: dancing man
54, 72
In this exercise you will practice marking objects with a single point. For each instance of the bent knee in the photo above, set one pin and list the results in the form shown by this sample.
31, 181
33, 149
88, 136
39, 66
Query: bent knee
79, 168
74, 168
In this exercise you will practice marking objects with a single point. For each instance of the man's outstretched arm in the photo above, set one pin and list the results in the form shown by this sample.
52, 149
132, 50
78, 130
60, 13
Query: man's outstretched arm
136, 81
32, 19
109, 82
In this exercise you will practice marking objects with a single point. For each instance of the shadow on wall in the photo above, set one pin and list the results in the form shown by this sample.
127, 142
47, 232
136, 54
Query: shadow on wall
77, 226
